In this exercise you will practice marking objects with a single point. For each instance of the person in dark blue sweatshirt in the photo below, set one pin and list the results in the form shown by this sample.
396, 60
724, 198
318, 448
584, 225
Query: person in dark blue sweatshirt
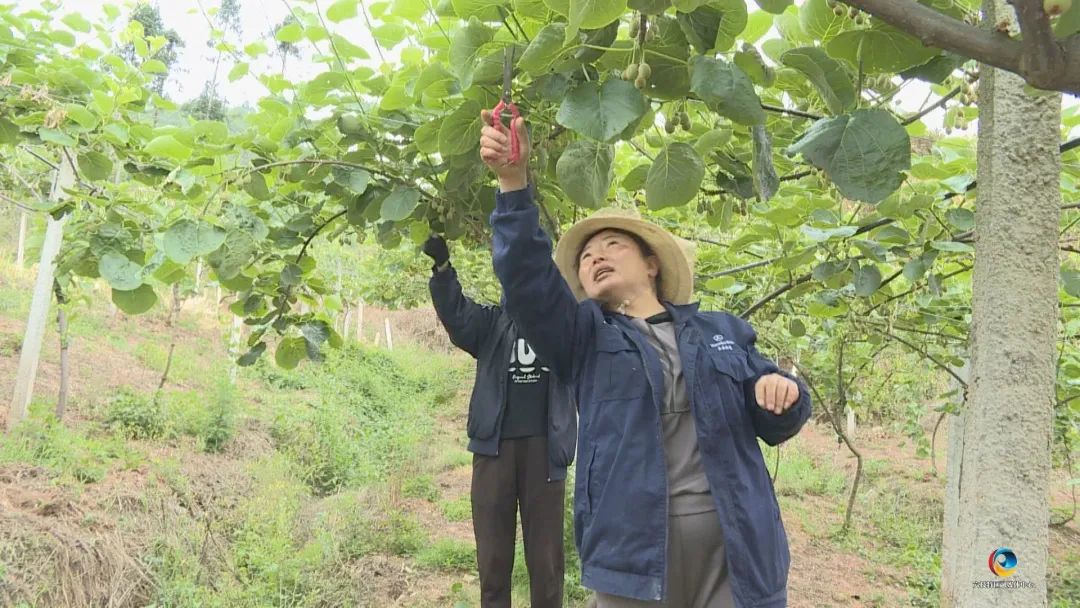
673, 504
522, 429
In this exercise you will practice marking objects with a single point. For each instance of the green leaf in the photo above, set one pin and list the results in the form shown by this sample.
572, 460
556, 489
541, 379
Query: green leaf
914, 269
9, 132
252, 356
256, 187
341, 10
819, 22
187, 239
290, 34
796, 328
465, 49
774, 6
819, 234
460, 131
961, 219
1070, 280
256, 49
937, 70
154, 66
750, 61
238, 71
712, 140
714, 26
675, 177
826, 74
315, 333
587, 14
59, 138
168, 147
291, 275
234, 254
76, 22
426, 137
95, 166
649, 7
355, 180
952, 246
726, 89
883, 48
135, 301
758, 24
81, 115
290, 352
544, 49
1068, 23
485, 10
766, 182
120, 272
602, 112
62, 38
400, 203
864, 153
585, 171
867, 280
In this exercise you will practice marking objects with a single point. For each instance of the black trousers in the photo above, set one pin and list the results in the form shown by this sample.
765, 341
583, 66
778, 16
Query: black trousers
518, 477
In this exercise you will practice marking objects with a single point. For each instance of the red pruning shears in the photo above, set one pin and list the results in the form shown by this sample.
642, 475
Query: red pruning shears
507, 106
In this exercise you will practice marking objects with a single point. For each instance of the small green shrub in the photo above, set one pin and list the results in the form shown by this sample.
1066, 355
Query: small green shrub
136, 416
220, 423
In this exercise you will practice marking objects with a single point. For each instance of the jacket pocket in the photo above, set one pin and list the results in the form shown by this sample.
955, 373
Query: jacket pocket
724, 384
620, 371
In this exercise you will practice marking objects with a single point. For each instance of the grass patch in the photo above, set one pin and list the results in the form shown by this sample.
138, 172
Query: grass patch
448, 555
41, 440
373, 418
799, 475
459, 509
421, 487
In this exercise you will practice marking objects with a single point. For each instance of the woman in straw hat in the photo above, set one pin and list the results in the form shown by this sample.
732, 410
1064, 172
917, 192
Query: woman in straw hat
673, 505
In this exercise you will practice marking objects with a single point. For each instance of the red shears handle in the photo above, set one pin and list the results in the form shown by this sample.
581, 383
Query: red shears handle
496, 115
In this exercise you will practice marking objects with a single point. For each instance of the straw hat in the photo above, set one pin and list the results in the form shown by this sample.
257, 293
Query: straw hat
676, 255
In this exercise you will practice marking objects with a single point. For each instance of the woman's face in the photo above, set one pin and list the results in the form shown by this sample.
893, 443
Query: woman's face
613, 269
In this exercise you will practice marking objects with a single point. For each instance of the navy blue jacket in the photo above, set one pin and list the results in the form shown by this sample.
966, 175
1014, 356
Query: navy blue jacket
488, 334
621, 494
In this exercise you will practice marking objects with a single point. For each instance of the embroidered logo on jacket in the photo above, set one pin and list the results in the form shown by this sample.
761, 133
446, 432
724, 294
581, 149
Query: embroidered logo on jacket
722, 343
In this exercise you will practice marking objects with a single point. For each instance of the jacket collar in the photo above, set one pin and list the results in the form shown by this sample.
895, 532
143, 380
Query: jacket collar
680, 313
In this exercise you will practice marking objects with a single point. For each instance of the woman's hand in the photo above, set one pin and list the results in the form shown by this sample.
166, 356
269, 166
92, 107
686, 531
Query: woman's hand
495, 152
776, 393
